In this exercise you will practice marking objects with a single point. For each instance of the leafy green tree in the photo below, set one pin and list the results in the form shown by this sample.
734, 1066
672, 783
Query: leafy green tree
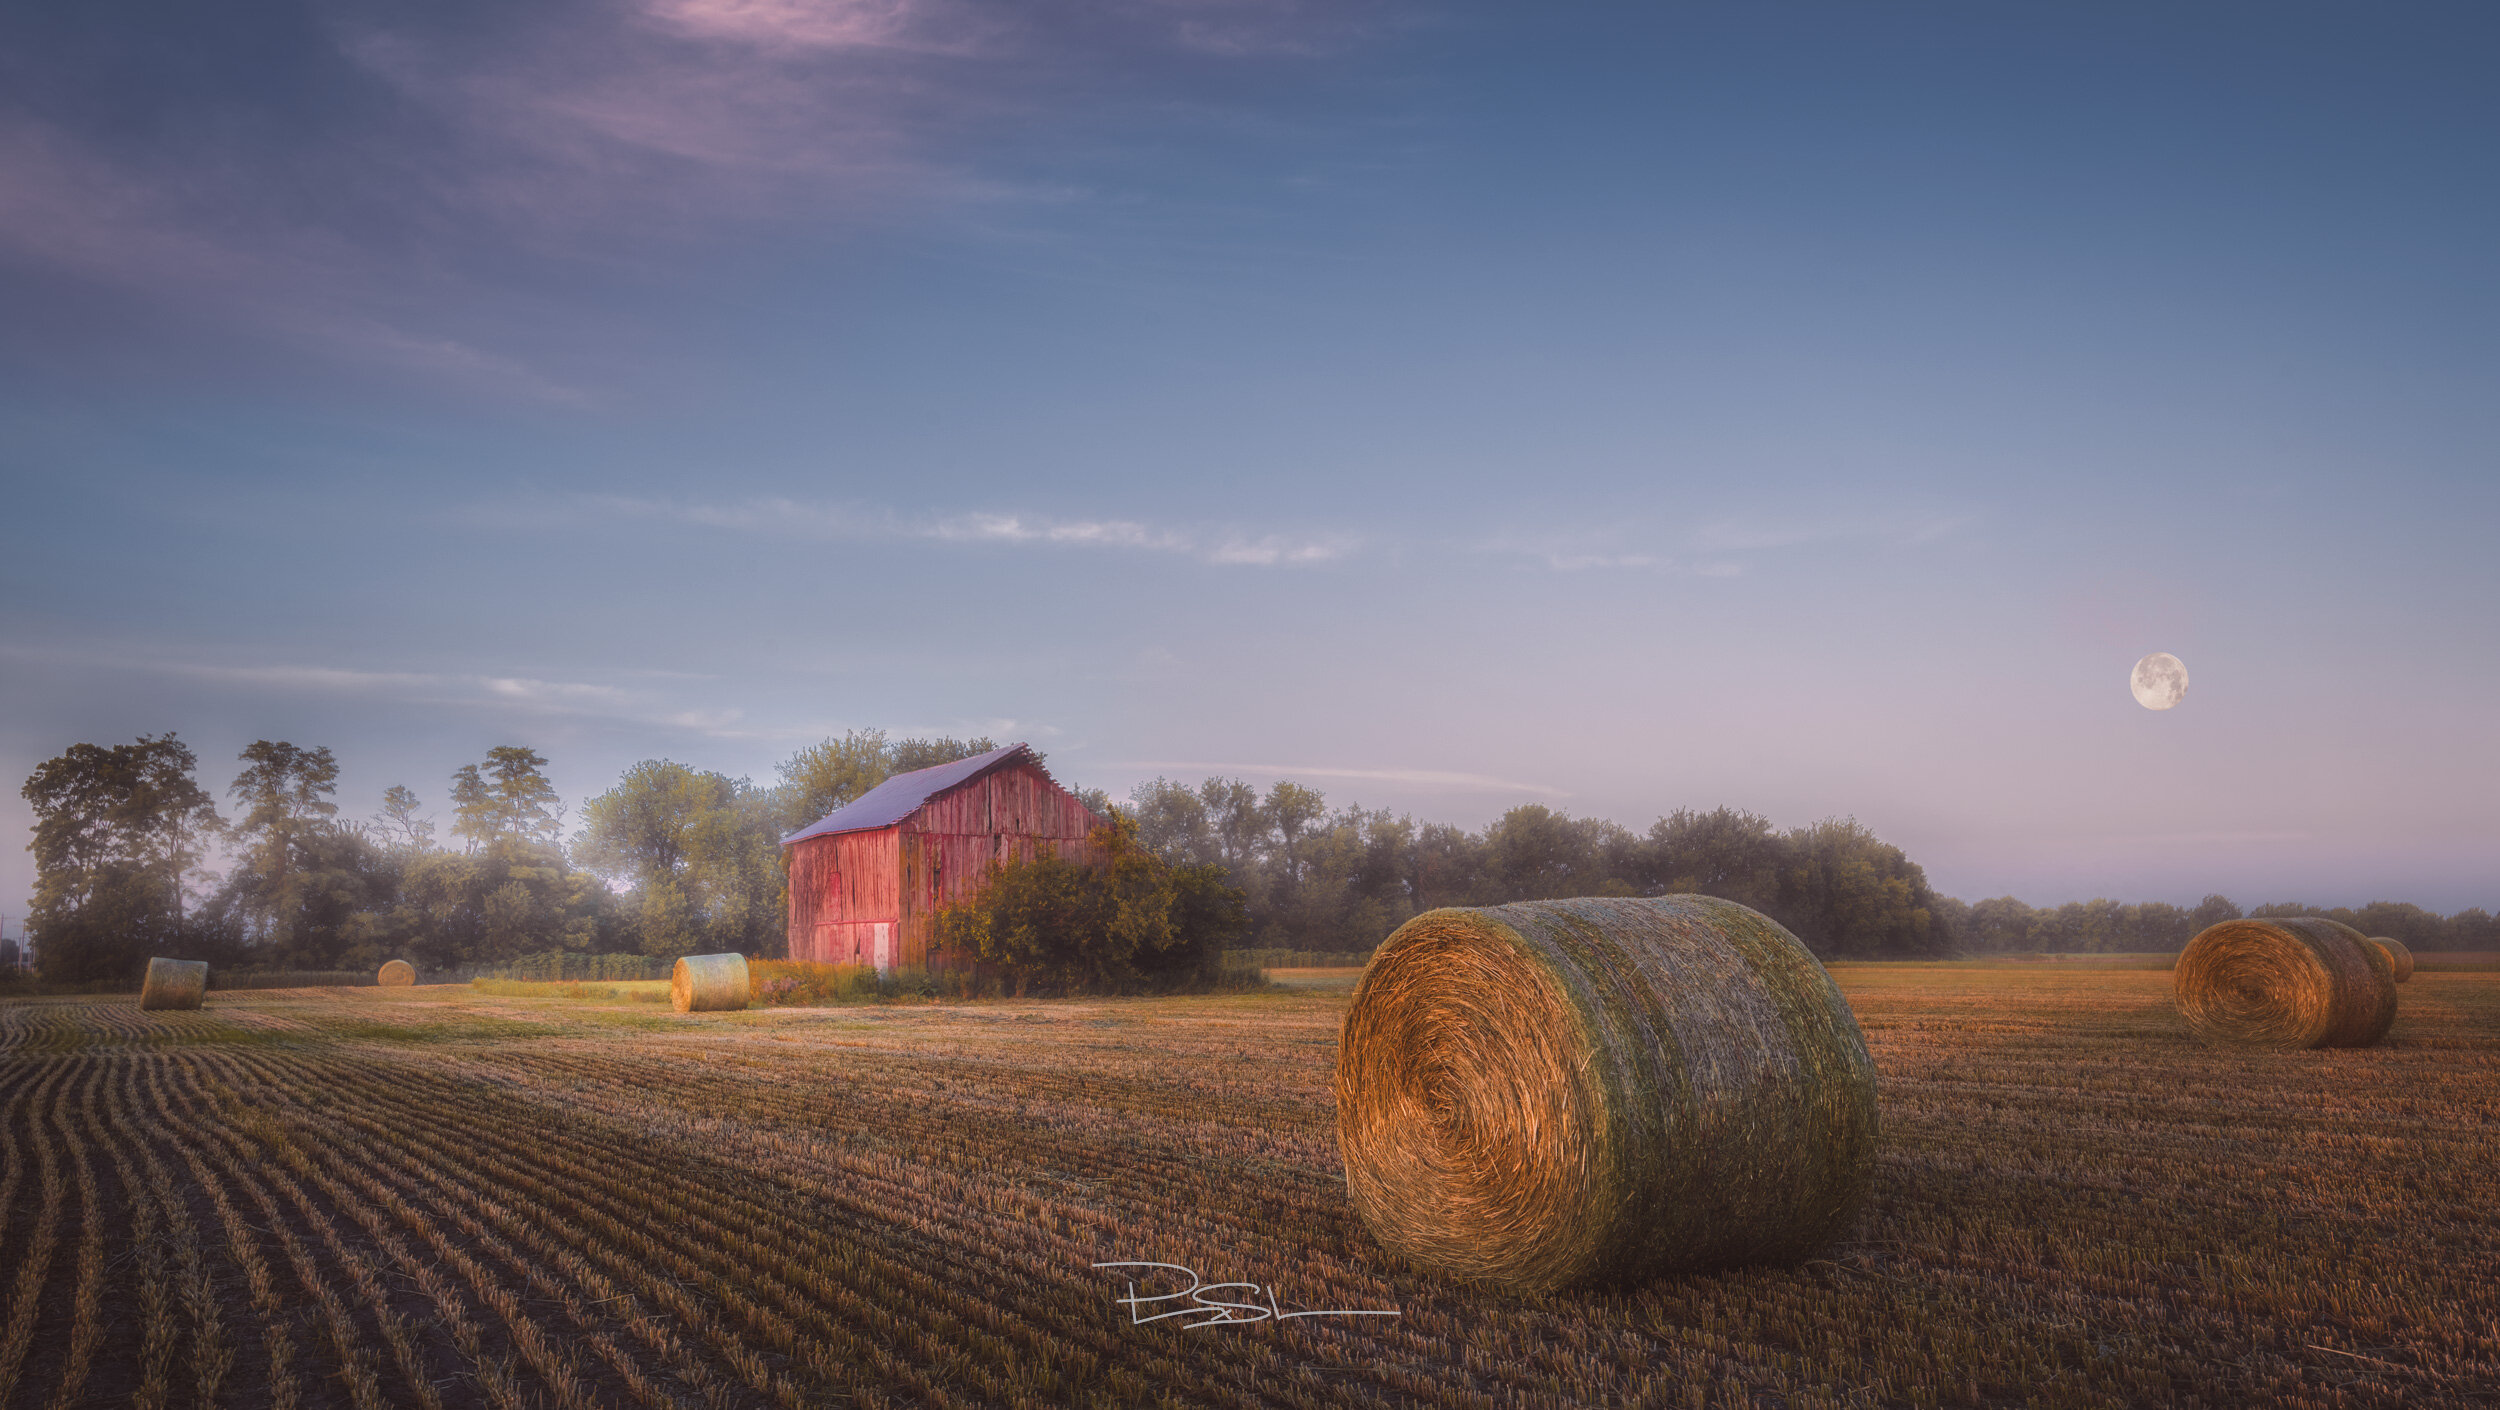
511, 891
2474, 929
1727, 853
284, 792
2414, 927
1120, 919
1240, 826
505, 801
2212, 911
1172, 822
823, 777
1843, 890
118, 837
639, 829
1999, 923
910, 755
399, 825
702, 851
1450, 868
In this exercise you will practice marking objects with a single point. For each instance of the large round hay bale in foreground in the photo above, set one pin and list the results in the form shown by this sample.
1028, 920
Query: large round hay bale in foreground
174, 984
2285, 982
2397, 956
1558, 1093
708, 983
395, 973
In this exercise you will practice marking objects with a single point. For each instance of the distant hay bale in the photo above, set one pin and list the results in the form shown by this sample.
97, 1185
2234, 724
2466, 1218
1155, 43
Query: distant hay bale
1557, 1093
2397, 955
395, 973
2286, 982
709, 983
174, 984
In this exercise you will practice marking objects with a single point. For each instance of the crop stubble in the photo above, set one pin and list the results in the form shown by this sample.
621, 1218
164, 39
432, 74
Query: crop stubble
425, 1198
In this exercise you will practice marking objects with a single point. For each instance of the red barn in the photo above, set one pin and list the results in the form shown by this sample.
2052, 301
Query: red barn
865, 880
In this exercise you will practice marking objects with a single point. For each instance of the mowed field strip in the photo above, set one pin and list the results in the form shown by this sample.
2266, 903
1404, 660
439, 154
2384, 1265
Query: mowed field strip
431, 1197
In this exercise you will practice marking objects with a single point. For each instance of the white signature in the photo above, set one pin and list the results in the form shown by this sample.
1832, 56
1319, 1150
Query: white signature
1245, 1302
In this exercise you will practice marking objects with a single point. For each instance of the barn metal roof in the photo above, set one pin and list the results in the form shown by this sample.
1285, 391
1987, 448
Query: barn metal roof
900, 796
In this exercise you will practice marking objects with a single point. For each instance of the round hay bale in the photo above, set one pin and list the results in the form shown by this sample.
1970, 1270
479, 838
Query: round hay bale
2397, 955
2286, 982
174, 984
395, 973
1558, 1093
708, 983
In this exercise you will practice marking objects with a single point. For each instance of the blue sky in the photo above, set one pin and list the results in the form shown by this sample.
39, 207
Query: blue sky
1812, 408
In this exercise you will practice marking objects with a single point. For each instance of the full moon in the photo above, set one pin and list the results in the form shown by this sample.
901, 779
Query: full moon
2159, 680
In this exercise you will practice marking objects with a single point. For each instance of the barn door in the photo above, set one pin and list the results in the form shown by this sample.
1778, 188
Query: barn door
885, 948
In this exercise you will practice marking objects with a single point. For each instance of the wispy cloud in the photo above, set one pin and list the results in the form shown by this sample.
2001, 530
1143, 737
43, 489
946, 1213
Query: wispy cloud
2192, 839
510, 695
785, 518
1755, 535
1429, 778
1581, 552
633, 698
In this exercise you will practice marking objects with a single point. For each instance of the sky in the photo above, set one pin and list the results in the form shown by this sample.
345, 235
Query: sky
1810, 408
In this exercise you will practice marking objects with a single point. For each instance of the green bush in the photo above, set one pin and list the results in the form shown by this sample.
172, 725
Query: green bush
1122, 920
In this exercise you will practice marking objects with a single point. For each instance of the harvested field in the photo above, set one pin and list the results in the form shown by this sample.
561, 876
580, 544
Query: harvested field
438, 1196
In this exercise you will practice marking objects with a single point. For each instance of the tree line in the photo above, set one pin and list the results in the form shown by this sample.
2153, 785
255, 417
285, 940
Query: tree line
2102, 926
675, 860
672, 860
1342, 880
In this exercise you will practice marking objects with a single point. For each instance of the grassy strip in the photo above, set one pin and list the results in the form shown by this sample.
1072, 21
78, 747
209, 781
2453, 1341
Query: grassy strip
638, 991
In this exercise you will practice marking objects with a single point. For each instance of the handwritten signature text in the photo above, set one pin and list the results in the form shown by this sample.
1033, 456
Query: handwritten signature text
1214, 1304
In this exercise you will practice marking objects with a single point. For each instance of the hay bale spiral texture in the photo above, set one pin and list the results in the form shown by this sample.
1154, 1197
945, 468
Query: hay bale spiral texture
174, 984
2397, 956
2285, 982
708, 983
395, 973
1560, 1093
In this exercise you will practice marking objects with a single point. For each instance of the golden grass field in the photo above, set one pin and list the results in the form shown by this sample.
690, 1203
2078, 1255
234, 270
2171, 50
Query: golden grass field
441, 1197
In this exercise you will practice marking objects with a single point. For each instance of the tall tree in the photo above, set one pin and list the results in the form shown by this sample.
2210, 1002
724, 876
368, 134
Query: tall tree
400, 825
2212, 911
119, 834
702, 851
1727, 852
284, 792
824, 776
507, 800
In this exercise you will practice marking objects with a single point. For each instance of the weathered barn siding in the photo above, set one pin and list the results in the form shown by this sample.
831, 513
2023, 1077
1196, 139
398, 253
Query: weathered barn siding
844, 886
841, 887
949, 845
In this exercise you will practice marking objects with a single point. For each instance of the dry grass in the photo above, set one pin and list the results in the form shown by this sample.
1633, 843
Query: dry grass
2290, 982
395, 974
643, 991
799, 982
174, 984
440, 1196
1557, 1093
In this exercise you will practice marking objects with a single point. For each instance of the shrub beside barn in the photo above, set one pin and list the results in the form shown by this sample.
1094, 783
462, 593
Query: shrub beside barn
867, 879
